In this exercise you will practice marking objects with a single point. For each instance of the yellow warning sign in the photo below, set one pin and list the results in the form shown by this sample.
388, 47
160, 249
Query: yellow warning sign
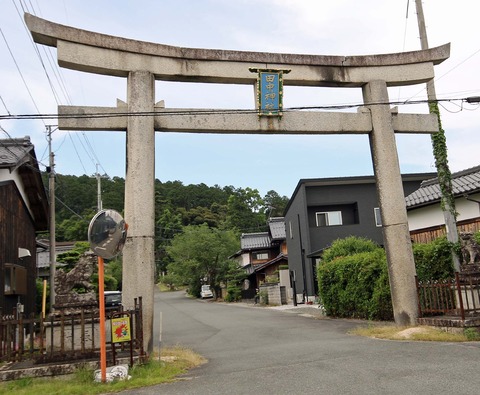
121, 330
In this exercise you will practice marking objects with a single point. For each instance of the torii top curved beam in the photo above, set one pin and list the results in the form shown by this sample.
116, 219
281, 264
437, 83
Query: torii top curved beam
103, 54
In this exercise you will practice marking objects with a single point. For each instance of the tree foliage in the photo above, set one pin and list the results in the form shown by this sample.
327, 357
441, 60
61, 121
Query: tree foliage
348, 246
246, 210
353, 281
433, 261
200, 255
177, 207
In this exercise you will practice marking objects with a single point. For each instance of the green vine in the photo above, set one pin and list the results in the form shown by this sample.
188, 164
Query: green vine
439, 143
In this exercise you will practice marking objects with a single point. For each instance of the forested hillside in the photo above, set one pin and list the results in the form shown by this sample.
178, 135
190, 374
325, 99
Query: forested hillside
242, 210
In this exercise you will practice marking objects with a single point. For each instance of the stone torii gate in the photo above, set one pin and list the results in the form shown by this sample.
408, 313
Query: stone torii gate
142, 63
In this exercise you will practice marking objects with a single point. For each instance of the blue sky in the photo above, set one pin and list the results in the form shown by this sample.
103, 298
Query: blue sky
341, 27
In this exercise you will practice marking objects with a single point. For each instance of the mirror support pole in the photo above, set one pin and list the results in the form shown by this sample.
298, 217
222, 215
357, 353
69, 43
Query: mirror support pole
103, 340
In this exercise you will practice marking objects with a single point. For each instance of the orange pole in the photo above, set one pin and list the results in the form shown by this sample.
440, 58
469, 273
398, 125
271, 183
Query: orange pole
103, 342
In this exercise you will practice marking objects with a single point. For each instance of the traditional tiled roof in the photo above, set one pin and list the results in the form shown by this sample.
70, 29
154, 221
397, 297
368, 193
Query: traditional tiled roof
14, 152
250, 241
262, 266
277, 228
19, 155
463, 183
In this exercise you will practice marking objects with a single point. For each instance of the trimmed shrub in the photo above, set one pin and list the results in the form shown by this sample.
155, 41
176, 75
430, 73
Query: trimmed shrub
234, 293
353, 275
349, 246
356, 286
433, 261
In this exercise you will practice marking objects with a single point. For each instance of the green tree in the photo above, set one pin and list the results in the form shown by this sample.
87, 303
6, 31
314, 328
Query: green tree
113, 270
168, 224
246, 211
200, 255
70, 258
275, 204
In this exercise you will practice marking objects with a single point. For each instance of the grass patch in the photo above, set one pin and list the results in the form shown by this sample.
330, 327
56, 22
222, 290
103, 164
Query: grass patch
418, 333
172, 363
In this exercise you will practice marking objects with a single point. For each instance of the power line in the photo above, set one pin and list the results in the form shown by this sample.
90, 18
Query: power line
57, 73
188, 112
4, 105
20, 72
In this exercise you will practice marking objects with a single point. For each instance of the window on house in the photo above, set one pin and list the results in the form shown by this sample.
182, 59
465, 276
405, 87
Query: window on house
8, 282
378, 217
260, 255
15, 280
290, 229
329, 218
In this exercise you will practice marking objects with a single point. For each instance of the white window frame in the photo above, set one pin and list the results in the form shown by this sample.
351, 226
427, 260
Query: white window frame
257, 255
378, 217
332, 218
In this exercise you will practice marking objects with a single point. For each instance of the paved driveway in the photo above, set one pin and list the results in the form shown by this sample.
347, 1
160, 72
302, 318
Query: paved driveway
254, 350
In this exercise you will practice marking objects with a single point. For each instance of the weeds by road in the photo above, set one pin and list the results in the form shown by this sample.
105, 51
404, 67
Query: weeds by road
421, 333
173, 362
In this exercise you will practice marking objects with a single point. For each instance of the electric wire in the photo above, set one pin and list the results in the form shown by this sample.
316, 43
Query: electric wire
190, 112
20, 72
4, 105
59, 79
55, 94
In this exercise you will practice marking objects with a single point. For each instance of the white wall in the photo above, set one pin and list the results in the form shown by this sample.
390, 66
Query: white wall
425, 217
5, 175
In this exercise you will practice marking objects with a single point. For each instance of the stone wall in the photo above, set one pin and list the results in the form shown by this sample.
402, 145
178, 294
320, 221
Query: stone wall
276, 294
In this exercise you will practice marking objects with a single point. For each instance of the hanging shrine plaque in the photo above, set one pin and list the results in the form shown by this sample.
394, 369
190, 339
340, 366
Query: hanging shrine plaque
270, 91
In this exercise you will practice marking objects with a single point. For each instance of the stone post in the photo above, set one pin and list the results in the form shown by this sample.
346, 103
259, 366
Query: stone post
138, 253
391, 197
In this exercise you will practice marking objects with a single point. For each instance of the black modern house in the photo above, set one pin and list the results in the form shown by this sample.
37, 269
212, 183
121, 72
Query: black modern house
325, 209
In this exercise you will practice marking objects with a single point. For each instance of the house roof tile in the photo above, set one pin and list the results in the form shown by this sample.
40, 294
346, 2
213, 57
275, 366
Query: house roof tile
255, 240
463, 182
14, 152
277, 228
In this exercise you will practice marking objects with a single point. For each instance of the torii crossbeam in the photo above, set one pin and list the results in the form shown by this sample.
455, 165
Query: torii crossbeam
143, 62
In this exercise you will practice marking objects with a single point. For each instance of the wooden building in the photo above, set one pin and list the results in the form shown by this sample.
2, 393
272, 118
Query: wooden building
23, 213
425, 215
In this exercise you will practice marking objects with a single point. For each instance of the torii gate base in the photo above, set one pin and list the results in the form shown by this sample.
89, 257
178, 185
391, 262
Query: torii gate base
142, 63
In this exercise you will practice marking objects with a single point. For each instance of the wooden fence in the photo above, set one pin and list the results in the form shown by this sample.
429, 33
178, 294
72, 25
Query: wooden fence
457, 296
66, 337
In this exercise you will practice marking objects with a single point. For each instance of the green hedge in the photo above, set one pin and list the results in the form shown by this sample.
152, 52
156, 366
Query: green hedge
356, 286
234, 293
433, 261
353, 275
348, 246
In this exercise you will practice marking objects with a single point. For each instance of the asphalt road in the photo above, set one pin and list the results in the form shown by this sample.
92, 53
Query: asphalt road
255, 350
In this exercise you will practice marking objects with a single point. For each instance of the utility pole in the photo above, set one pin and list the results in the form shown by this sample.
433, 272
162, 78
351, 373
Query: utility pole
99, 191
440, 150
51, 190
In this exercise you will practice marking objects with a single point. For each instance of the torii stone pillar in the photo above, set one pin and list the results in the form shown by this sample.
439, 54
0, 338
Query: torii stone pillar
142, 63
401, 266
138, 254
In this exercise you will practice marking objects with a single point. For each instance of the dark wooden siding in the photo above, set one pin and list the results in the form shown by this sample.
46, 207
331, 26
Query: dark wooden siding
429, 234
17, 230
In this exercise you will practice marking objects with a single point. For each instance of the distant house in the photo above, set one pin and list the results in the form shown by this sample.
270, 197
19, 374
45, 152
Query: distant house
23, 213
325, 209
262, 254
43, 255
425, 216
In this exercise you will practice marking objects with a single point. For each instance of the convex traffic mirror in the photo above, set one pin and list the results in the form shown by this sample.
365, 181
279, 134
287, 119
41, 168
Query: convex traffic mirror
107, 233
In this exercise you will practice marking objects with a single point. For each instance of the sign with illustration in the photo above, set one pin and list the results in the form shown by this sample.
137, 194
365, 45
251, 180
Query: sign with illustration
269, 91
121, 330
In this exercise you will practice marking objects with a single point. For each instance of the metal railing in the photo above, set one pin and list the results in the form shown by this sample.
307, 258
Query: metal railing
65, 337
457, 296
